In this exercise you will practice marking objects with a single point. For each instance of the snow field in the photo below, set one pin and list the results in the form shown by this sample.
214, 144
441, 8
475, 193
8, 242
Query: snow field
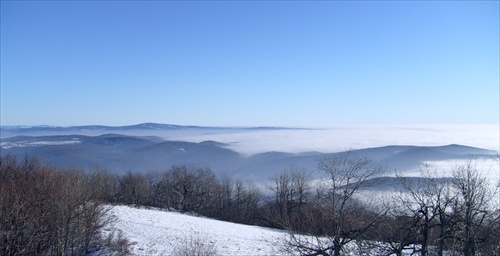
156, 232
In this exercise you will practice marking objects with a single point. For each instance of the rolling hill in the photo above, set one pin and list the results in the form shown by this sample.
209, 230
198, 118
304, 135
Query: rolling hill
122, 153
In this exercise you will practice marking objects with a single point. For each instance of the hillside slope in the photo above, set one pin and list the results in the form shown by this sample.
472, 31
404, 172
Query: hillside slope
156, 232
122, 153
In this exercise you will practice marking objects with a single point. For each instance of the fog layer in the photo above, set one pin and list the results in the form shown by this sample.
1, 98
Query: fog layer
340, 138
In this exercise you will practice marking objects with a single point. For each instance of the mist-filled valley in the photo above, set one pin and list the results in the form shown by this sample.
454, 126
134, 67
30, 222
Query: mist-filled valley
254, 153
315, 191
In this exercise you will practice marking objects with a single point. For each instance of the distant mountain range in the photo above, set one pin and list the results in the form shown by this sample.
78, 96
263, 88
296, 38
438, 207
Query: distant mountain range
148, 126
10, 131
122, 153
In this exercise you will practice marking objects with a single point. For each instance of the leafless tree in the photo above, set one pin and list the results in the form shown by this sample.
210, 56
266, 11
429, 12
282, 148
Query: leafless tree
292, 191
192, 189
225, 205
236, 201
456, 214
243, 202
339, 217
474, 209
425, 203
46, 210
104, 185
397, 235
133, 188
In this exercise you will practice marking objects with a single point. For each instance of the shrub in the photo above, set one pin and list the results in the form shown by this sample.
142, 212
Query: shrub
45, 210
195, 246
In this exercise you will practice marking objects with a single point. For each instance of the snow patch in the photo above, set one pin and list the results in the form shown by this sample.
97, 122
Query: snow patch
20, 144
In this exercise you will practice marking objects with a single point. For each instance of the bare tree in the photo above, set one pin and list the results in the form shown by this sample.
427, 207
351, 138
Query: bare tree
225, 200
193, 189
134, 188
45, 210
397, 235
236, 201
425, 203
292, 190
339, 217
245, 202
104, 185
458, 214
474, 209
205, 189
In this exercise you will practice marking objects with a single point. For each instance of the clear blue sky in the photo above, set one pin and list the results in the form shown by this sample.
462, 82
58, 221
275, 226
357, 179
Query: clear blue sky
250, 63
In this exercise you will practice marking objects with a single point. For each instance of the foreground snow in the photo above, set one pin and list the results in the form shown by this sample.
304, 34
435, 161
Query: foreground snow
159, 232
156, 232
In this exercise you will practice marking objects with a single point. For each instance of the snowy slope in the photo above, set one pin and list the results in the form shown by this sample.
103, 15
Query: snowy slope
156, 232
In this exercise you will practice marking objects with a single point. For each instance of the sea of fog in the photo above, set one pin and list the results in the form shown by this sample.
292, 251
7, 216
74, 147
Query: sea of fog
335, 139
249, 141
341, 138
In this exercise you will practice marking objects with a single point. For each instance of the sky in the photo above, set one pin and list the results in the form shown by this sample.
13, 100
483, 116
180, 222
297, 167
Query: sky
251, 63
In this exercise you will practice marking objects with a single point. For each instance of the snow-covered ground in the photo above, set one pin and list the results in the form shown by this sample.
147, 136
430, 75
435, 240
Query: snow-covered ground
8, 145
156, 232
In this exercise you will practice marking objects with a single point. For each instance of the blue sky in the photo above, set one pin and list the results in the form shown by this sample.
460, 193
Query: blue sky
250, 63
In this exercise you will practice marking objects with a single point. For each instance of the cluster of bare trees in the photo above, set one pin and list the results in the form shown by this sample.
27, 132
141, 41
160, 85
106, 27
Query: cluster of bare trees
325, 215
45, 210
195, 190
459, 215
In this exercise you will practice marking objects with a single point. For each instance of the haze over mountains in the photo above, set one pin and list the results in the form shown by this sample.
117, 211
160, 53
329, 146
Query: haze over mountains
9, 131
147, 147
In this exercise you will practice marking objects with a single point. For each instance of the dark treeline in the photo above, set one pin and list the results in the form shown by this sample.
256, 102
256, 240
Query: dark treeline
49, 211
46, 210
186, 190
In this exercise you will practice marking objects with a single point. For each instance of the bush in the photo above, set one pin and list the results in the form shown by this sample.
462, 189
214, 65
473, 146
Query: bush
116, 244
45, 210
195, 246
